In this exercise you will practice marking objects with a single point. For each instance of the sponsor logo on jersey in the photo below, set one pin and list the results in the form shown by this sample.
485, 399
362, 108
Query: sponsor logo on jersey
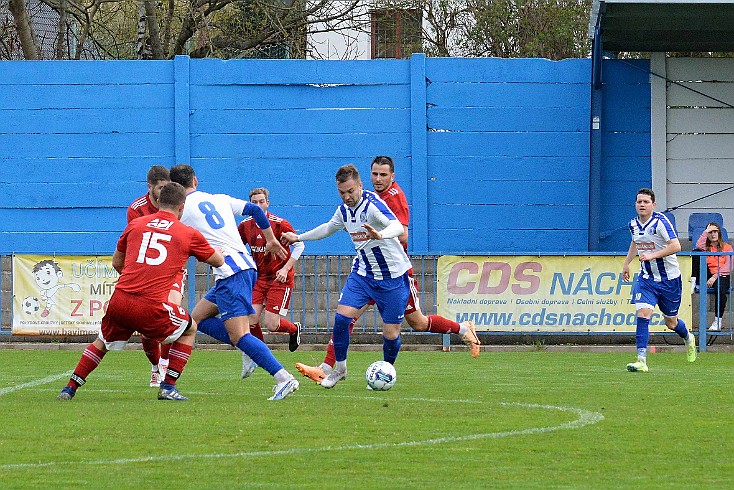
359, 236
160, 224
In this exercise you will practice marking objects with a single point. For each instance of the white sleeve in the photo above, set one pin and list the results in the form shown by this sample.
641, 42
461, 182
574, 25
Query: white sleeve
297, 250
392, 230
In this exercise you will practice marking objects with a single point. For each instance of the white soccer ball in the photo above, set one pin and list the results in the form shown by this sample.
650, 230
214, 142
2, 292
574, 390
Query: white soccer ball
381, 376
31, 305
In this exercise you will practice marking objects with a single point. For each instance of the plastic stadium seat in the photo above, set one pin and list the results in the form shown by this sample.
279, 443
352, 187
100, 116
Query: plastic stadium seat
700, 221
671, 217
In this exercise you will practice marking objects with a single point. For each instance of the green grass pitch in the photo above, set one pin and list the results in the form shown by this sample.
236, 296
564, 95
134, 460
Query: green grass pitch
504, 420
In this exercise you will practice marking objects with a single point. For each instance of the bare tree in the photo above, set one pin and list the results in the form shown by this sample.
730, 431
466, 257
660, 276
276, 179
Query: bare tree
23, 29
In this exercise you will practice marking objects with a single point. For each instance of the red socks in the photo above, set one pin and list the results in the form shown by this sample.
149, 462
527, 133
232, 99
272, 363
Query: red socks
152, 349
88, 363
439, 324
178, 356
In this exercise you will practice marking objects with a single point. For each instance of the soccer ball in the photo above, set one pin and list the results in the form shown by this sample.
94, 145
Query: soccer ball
31, 305
381, 376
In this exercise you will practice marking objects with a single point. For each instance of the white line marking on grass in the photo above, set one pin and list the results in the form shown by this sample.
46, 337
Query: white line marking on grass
585, 417
30, 384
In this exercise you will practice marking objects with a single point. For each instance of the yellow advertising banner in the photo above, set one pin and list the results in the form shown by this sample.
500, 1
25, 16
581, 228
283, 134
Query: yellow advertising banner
63, 295
545, 294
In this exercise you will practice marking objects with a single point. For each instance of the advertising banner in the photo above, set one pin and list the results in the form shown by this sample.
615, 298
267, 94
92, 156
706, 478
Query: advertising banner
63, 295
545, 294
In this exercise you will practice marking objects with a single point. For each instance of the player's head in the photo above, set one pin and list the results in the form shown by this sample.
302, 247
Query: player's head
184, 175
349, 184
173, 198
382, 173
714, 236
645, 202
259, 196
158, 176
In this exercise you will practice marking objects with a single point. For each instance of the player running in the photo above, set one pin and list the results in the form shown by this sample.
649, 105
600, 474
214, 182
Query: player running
379, 269
383, 181
149, 255
655, 242
271, 295
231, 295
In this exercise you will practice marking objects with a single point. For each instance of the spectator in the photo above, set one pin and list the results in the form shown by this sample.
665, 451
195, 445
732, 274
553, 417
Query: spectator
718, 269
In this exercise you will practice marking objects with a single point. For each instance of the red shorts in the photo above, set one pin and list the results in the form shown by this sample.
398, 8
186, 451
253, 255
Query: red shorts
126, 313
414, 302
276, 296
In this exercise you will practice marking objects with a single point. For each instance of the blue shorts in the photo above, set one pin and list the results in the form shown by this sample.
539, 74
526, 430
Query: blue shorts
233, 294
390, 295
665, 294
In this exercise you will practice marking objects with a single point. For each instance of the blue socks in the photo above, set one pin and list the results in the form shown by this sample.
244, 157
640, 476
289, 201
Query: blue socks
681, 330
642, 335
390, 349
259, 352
214, 327
341, 336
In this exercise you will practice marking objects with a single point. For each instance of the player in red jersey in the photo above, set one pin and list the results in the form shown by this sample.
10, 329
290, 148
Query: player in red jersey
383, 181
149, 255
158, 176
271, 295
157, 354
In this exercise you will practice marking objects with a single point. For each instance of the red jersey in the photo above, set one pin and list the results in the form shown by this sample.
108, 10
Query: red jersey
140, 207
395, 199
267, 265
156, 247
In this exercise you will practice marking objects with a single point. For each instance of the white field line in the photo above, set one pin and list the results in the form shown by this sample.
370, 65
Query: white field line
31, 384
584, 418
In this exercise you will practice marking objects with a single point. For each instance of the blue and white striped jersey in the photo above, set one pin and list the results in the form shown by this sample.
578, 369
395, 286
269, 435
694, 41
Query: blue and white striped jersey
380, 259
214, 216
652, 237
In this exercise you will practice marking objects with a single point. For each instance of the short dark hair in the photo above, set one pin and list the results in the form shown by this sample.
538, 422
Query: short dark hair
260, 190
347, 172
173, 195
158, 173
183, 174
383, 160
648, 192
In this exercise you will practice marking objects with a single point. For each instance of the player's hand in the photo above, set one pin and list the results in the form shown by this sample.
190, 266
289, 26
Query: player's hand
276, 249
626, 273
644, 257
371, 232
288, 237
281, 275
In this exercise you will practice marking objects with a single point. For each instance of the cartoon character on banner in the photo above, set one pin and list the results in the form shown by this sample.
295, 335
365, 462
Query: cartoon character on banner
47, 275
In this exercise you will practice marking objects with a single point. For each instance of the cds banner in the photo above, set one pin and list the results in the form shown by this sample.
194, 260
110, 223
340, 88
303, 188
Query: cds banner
545, 294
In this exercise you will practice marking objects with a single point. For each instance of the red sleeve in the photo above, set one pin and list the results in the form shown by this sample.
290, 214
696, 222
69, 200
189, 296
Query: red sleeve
199, 247
243, 232
131, 214
122, 241
399, 206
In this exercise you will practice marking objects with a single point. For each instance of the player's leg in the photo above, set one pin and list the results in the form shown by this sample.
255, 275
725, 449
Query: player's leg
644, 297
318, 373
438, 324
152, 351
118, 324
181, 334
276, 310
391, 299
91, 357
234, 296
248, 365
175, 296
669, 297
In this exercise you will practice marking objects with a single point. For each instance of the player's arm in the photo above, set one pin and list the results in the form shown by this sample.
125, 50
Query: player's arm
387, 224
281, 275
272, 245
118, 260
322, 231
631, 253
216, 259
671, 248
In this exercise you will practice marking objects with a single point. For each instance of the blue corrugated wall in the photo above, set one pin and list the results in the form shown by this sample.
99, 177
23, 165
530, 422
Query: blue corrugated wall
492, 153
